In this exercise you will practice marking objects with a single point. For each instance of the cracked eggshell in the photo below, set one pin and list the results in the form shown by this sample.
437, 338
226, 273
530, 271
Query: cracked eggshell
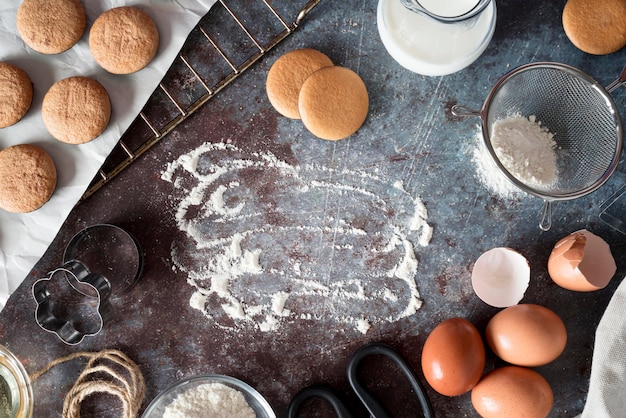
500, 277
582, 262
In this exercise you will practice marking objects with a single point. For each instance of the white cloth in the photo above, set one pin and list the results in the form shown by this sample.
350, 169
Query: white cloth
25, 237
607, 386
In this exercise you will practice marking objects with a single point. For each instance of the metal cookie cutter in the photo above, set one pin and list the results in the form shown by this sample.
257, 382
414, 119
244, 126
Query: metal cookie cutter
72, 302
108, 250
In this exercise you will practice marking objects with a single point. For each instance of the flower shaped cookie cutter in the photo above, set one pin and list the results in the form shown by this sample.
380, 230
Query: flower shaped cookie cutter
72, 302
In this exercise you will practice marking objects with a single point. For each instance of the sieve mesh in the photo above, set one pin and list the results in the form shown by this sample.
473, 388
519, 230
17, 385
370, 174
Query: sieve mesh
579, 112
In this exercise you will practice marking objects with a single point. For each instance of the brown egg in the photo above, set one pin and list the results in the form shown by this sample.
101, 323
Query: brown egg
453, 358
582, 262
526, 335
511, 392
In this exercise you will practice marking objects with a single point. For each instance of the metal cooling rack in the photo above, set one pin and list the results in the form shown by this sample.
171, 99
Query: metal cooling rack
232, 36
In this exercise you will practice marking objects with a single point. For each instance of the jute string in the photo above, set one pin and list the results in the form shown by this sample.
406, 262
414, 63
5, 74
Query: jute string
130, 389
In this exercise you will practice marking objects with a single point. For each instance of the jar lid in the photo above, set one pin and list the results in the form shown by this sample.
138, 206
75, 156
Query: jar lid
429, 47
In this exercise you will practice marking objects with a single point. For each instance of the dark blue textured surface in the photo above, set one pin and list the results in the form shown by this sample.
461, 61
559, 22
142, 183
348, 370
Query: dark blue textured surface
410, 136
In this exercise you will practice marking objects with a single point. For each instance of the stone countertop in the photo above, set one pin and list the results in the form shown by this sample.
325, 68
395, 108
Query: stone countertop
314, 217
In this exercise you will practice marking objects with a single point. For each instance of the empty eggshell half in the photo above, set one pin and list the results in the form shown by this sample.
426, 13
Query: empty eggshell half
582, 261
500, 277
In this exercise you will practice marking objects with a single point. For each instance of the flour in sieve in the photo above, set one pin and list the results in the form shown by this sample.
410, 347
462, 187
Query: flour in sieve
526, 149
215, 400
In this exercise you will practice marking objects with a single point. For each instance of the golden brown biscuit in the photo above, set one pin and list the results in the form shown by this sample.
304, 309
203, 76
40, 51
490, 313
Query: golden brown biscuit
333, 103
51, 26
123, 40
285, 78
76, 110
16, 94
28, 178
596, 26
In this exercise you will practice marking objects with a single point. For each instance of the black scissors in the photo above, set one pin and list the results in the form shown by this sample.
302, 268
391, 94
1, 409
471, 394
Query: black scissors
374, 408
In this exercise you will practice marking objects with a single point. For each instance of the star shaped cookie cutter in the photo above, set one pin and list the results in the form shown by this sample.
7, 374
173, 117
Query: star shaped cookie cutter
68, 314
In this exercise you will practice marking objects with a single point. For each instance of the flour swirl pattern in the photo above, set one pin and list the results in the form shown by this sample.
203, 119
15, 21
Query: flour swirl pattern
269, 243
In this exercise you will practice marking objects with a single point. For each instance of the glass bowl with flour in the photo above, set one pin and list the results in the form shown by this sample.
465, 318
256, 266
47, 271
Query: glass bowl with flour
216, 396
428, 46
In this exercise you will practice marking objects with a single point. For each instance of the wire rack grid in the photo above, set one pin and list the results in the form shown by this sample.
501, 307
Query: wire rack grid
228, 40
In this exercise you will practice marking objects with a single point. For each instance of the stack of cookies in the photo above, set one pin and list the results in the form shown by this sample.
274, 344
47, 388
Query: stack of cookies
331, 101
75, 110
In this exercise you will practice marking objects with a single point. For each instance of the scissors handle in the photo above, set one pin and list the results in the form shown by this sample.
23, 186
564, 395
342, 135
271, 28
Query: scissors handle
374, 408
318, 391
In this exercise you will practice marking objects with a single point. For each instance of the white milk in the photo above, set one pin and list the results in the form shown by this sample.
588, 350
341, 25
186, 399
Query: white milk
426, 46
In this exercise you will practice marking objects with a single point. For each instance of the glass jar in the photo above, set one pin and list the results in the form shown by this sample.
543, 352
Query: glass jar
16, 393
435, 45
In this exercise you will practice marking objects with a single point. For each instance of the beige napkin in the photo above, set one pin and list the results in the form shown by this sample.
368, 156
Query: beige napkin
607, 385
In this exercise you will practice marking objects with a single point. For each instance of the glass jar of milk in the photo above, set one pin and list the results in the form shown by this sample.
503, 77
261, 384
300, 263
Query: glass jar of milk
442, 38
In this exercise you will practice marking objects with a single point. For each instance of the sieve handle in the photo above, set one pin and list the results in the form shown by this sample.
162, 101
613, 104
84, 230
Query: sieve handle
462, 111
620, 81
546, 216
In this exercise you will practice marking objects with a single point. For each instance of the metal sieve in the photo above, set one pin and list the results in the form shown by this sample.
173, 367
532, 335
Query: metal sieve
579, 112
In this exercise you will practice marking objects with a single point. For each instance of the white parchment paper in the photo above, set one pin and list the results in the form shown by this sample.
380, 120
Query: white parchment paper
25, 237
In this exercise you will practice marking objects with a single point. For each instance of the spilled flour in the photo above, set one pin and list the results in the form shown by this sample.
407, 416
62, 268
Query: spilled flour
489, 174
270, 242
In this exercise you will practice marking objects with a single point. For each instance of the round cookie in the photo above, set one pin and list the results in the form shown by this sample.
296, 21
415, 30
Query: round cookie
16, 94
123, 40
286, 76
28, 178
51, 26
597, 27
333, 103
76, 110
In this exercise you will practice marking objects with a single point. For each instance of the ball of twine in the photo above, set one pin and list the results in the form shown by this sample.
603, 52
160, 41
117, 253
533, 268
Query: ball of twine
129, 385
